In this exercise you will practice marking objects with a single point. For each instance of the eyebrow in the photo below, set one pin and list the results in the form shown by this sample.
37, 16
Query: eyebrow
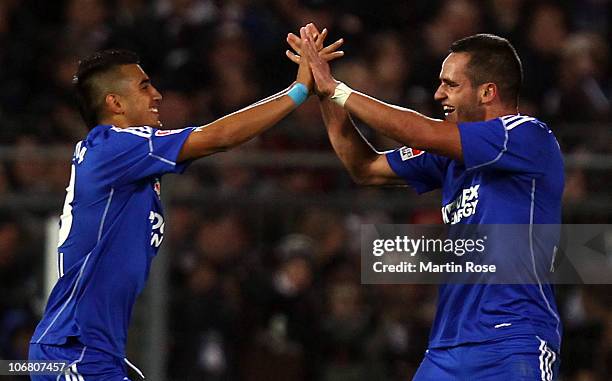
145, 81
449, 82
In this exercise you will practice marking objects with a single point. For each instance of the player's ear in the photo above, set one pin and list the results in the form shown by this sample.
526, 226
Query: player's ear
487, 92
113, 103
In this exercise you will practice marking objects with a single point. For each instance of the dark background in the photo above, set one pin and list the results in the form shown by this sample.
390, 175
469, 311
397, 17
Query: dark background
262, 247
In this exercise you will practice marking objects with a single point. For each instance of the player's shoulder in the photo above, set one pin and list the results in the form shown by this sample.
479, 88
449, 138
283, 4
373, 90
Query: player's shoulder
522, 123
148, 132
102, 133
140, 131
110, 140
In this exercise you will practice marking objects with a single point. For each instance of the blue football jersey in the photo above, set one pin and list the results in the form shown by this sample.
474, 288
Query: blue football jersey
512, 173
111, 228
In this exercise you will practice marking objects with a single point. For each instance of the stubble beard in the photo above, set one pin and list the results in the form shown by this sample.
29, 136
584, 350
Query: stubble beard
474, 113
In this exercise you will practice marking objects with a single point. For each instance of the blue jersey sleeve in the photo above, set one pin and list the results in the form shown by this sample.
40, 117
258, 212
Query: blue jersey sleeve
136, 153
515, 143
423, 171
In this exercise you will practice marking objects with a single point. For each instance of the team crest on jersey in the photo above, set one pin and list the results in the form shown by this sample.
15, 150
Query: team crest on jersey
408, 153
157, 188
464, 206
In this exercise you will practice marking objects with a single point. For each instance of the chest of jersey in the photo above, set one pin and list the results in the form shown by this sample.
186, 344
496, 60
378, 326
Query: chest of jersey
479, 197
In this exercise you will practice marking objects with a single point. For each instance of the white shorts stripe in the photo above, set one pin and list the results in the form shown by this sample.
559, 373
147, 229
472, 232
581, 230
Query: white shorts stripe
70, 372
548, 358
75, 372
547, 361
542, 371
553, 357
552, 363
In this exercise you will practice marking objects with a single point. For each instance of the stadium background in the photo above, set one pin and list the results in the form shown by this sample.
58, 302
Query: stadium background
258, 278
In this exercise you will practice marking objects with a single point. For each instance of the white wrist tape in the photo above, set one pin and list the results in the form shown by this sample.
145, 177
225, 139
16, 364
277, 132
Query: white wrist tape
341, 94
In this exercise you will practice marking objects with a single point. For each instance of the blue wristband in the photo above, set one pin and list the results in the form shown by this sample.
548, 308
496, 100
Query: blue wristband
298, 93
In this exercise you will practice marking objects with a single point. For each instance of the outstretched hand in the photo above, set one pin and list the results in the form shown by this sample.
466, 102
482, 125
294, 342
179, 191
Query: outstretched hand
328, 53
324, 81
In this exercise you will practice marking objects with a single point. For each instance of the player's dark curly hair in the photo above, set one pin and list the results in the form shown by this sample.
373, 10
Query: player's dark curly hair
86, 81
493, 59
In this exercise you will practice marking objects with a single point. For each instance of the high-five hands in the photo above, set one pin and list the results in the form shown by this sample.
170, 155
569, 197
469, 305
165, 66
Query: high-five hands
323, 54
327, 53
325, 82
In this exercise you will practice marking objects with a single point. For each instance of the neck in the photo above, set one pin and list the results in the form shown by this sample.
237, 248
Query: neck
117, 121
500, 110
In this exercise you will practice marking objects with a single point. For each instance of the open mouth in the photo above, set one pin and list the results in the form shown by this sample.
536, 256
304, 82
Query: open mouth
448, 110
154, 110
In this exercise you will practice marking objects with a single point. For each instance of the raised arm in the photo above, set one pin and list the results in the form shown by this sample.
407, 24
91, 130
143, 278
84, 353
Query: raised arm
404, 125
241, 126
365, 165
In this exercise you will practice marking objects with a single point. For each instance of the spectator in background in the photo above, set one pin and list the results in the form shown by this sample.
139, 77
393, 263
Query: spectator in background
390, 65
281, 315
453, 20
506, 18
4, 181
86, 28
18, 285
177, 38
18, 54
204, 339
582, 94
55, 104
27, 171
232, 67
543, 42
588, 348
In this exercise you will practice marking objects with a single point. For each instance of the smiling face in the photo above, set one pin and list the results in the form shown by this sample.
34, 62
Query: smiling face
458, 96
138, 98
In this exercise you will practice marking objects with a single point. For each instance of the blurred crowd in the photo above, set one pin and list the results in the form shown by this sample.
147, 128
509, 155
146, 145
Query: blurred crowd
274, 287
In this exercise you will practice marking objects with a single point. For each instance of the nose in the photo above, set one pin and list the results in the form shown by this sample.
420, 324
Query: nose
439, 94
156, 94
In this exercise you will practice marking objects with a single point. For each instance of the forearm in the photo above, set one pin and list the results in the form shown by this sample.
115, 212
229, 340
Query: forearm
406, 126
351, 147
241, 126
238, 127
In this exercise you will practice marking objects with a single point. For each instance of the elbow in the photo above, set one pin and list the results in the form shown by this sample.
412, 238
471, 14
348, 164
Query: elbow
363, 176
363, 180
360, 179
367, 180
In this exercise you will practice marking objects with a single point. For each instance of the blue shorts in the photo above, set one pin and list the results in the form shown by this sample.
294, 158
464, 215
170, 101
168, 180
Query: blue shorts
516, 358
82, 363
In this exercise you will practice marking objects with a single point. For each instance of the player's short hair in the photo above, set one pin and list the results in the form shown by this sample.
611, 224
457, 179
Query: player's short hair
90, 72
492, 59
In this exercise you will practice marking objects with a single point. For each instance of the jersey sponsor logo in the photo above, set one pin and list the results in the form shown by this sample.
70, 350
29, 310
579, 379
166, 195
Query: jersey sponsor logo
408, 153
169, 132
464, 206
157, 228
